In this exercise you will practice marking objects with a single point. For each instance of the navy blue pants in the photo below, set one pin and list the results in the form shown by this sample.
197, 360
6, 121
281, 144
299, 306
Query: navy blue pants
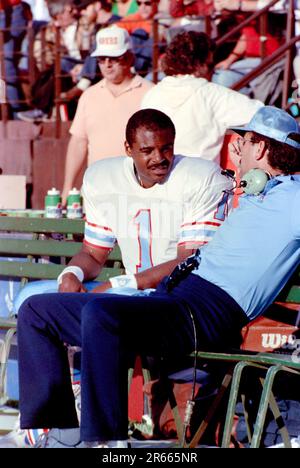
109, 328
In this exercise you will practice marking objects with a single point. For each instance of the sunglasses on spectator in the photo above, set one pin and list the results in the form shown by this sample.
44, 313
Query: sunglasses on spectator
147, 3
111, 59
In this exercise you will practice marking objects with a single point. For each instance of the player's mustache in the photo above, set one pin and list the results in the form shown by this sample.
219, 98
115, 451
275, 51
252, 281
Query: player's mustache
162, 164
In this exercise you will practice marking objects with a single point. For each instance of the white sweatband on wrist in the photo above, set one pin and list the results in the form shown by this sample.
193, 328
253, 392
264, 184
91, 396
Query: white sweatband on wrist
77, 271
124, 281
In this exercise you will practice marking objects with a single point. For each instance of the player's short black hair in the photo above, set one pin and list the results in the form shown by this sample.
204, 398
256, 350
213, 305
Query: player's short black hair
150, 119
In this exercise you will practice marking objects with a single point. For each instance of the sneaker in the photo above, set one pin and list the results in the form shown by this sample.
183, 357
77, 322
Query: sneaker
34, 115
21, 438
61, 438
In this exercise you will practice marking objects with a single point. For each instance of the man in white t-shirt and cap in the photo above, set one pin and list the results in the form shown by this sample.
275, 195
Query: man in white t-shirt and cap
98, 129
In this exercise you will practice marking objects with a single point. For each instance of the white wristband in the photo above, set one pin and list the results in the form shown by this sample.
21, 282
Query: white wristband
124, 281
77, 271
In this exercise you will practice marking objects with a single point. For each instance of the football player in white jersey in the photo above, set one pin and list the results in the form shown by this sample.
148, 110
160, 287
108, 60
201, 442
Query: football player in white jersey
158, 207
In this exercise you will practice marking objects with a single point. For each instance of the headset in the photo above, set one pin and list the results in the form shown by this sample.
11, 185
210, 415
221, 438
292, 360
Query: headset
252, 183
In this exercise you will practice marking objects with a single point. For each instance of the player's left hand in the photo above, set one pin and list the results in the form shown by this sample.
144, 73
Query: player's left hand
102, 287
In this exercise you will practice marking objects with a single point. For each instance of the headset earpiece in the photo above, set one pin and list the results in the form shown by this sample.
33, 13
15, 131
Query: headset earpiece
254, 181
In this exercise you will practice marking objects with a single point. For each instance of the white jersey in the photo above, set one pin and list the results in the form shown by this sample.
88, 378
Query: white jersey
149, 224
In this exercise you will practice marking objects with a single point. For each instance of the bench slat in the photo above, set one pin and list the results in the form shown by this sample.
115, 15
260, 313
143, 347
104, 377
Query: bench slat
39, 247
294, 294
261, 358
9, 247
42, 225
26, 269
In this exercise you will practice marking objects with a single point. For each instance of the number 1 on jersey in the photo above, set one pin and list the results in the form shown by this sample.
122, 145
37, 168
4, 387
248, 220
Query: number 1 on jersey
144, 237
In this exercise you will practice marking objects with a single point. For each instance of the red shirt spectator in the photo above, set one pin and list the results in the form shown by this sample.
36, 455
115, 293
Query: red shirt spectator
180, 8
252, 39
8, 3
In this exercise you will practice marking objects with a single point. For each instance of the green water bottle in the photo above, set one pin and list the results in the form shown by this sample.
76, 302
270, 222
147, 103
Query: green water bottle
74, 205
53, 205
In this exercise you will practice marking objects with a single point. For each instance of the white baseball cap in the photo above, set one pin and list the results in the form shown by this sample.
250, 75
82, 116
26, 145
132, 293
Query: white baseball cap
112, 42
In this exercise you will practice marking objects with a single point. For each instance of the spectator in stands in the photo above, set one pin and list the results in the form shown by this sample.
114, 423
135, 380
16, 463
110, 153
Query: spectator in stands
64, 16
40, 14
179, 8
88, 73
245, 56
189, 16
140, 27
98, 128
281, 5
157, 206
212, 299
142, 18
124, 7
40, 18
201, 111
13, 20
100, 11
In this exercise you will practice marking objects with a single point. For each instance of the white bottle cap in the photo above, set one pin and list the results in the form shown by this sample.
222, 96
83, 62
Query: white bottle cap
53, 191
74, 191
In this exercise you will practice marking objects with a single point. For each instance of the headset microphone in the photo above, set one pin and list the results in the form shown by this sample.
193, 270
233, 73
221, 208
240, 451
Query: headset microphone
254, 181
228, 173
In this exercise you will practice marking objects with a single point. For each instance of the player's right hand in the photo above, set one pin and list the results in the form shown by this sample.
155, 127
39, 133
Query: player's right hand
70, 283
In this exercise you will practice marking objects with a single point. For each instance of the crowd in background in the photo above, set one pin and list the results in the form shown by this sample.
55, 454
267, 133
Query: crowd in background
78, 22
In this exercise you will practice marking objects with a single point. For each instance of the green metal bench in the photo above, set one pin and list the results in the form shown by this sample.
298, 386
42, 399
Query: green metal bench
268, 366
41, 248
42, 244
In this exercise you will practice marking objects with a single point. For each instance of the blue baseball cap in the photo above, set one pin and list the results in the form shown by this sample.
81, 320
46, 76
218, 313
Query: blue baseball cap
273, 123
